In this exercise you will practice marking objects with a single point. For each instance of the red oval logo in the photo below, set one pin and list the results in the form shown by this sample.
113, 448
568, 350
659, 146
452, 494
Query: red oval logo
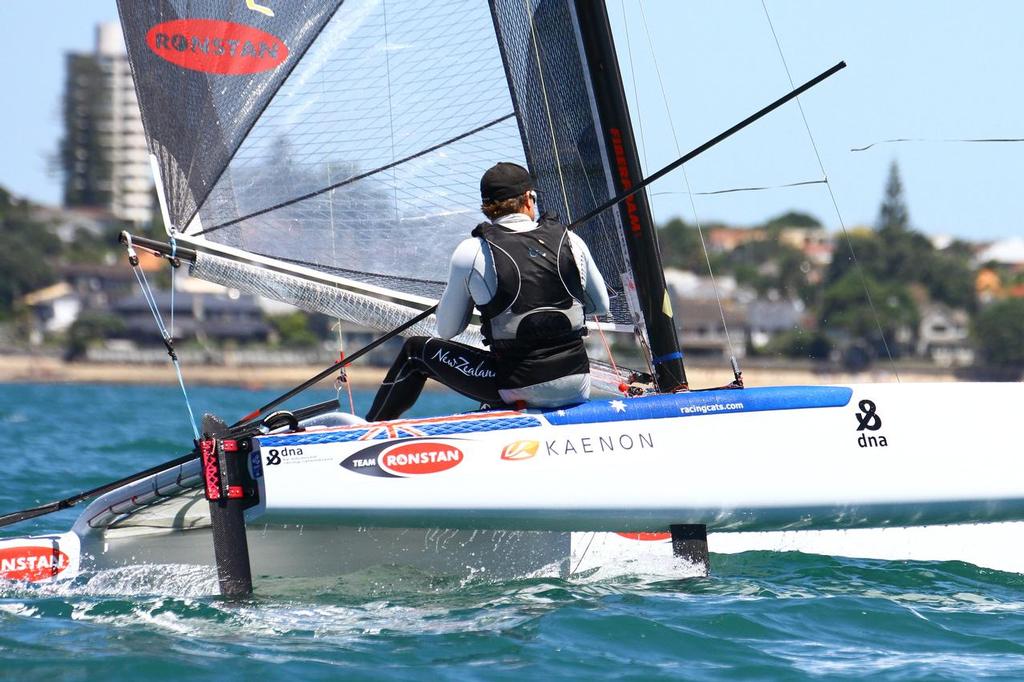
31, 563
646, 537
215, 46
414, 459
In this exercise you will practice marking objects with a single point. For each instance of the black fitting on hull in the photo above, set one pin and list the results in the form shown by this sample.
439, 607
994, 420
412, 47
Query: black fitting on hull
690, 543
230, 490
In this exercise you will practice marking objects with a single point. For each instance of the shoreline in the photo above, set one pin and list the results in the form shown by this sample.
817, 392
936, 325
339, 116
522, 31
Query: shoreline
49, 370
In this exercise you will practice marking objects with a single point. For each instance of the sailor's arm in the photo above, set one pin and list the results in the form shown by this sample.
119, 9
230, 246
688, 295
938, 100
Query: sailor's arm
595, 293
456, 305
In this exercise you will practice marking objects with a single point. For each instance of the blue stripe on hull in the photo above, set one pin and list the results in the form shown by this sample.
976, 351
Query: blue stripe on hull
701, 403
597, 411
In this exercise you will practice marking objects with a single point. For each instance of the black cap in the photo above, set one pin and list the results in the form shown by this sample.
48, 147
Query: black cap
504, 181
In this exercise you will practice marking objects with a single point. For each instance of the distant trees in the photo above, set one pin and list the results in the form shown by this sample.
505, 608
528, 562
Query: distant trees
845, 309
92, 326
765, 265
294, 331
800, 343
768, 266
902, 269
28, 247
999, 333
792, 219
897, 266
893, 215
680, 246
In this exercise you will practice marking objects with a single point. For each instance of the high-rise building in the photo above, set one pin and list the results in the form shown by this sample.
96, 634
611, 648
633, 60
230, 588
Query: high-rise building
104, 157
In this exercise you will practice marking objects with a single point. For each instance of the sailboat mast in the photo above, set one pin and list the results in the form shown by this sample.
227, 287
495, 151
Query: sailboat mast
637, 221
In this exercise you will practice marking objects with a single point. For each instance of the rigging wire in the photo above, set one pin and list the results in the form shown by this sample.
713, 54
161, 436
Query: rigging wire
611, 358
636, 95
391, 109
174, 271
689, 191
547, 105
154, 308
583, 555
835, 203
342, 377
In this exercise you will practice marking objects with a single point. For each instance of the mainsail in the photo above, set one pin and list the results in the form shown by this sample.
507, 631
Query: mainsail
329, 155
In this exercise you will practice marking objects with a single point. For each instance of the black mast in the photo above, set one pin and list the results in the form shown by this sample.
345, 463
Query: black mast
637, 222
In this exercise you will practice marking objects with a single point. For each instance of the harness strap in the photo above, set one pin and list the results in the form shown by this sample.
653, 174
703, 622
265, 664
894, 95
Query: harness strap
536, 344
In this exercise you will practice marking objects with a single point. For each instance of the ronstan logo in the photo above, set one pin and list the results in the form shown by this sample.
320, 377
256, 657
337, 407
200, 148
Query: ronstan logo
414, 459
31, 563
406, 459
215, 46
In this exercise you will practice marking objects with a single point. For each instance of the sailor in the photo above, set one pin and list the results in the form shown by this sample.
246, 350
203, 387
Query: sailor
533, 282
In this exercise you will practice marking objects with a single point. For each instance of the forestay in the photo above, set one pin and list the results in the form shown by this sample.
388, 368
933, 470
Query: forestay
328, 153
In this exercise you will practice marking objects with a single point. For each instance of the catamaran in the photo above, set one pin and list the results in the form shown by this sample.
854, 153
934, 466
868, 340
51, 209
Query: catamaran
325, 154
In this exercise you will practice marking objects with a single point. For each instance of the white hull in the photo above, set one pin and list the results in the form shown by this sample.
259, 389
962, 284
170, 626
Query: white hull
528, 493
331, 551
758, 459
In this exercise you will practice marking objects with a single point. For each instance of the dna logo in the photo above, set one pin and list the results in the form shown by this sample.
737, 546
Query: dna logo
868, 419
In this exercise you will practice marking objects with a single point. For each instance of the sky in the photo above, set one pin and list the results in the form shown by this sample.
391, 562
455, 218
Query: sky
934, 71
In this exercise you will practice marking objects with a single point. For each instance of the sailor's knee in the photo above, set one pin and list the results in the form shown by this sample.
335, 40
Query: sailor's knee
414, 345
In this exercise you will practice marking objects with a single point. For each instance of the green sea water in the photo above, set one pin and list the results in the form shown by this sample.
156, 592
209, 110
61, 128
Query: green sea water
759, 616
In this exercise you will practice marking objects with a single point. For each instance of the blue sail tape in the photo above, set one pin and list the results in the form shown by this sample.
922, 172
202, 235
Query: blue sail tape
697, 403
678, 355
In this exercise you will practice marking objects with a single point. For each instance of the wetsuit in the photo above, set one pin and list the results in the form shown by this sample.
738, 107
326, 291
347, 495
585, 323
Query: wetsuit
533, 283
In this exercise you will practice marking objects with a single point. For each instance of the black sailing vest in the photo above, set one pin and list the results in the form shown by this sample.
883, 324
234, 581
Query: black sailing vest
534, 323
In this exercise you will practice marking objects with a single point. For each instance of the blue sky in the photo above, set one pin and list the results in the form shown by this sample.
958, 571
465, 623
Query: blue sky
917, 69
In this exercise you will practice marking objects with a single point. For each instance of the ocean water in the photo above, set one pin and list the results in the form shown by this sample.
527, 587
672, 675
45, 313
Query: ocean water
759, 616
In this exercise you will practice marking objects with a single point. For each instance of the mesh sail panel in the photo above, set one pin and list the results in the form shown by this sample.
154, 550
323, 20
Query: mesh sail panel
405, 106
550, 85
366, 310
204, 70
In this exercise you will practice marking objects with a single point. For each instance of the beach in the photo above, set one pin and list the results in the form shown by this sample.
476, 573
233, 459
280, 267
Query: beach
25, 368
47, 369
